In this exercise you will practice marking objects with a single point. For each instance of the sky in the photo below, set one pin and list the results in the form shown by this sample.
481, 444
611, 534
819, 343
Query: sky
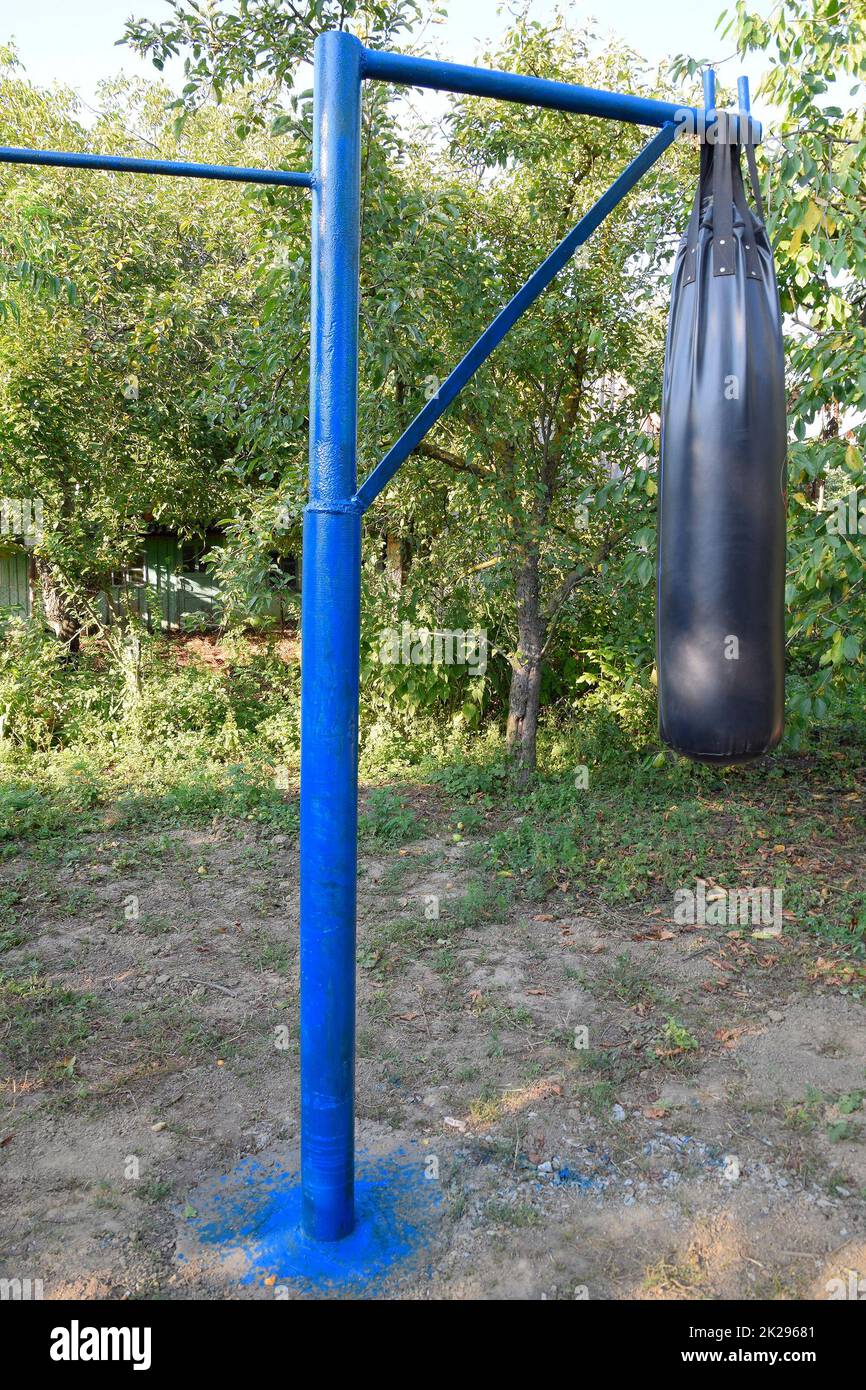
73, 41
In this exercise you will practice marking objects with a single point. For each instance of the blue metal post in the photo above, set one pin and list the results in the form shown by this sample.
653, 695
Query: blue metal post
330, 619
709, 77
743, 94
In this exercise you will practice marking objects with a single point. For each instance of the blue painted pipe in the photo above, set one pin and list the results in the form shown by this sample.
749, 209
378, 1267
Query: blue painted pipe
531, 91
507, 317
709, 79
508, 86
743, 93
330, 627
122, 164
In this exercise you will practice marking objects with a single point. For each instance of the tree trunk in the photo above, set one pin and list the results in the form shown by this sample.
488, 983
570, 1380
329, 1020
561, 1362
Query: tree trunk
55, 608
525, 692
395, 561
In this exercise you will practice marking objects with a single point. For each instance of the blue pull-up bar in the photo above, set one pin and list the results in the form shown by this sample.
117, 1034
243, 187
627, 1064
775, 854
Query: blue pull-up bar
532, 91
125, 164
330, 604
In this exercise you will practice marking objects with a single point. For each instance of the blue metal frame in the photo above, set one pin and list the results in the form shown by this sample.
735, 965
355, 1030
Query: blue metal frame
330, 606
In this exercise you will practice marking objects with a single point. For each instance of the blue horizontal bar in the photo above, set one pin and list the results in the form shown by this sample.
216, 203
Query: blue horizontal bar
507, 317
122, 164
531, 91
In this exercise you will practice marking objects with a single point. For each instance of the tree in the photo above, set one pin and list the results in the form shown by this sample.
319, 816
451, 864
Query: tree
120, 292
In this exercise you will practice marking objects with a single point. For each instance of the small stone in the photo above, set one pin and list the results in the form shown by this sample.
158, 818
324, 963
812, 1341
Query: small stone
159, 1126
617, 1113
774, 1016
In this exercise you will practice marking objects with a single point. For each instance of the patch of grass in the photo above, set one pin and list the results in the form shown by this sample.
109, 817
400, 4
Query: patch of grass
485, 1109
515, 1214
105, 1198
466, 820
678, 1038
267, 952
599, 1097
387, 819
10, 937
630, 983
43, 1023
477, 905
805, 1116
843, 1131
154, 1189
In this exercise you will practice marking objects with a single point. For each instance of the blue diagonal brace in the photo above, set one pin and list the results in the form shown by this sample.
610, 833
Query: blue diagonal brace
507, 317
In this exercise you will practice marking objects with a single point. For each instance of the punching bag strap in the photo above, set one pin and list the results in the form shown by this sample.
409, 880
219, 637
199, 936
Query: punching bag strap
701, 192
723, 200
750, 223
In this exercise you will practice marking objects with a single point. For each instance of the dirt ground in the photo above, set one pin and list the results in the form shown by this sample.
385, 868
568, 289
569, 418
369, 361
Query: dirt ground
621, 1107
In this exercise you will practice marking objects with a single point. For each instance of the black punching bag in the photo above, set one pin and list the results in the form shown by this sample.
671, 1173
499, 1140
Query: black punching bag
721, 554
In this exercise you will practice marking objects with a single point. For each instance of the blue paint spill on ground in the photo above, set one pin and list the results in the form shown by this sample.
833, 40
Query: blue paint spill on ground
567, 1177
255, 1211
